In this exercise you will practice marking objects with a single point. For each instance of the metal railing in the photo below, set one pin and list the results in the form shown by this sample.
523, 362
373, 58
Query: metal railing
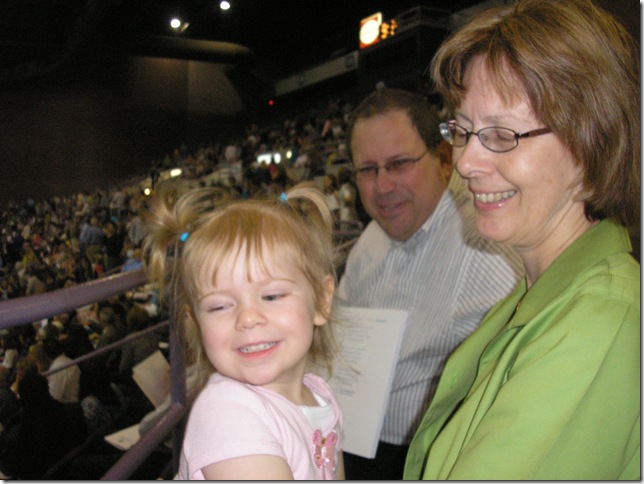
25, 310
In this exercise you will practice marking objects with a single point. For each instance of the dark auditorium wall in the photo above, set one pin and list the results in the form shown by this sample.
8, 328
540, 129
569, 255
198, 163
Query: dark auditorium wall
105, 116
99, 120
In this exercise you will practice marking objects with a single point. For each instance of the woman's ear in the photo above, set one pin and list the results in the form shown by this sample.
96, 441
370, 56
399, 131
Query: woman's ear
581, 191
322, 316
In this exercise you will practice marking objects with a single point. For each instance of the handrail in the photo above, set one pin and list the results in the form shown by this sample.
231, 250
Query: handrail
23, 310
107, 348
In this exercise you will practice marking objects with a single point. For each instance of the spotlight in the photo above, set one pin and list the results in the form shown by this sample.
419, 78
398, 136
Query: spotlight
178, 24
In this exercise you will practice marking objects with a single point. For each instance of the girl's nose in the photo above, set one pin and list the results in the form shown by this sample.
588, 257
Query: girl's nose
249, 317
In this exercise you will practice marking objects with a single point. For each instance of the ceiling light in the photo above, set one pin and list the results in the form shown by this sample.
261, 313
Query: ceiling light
178, 24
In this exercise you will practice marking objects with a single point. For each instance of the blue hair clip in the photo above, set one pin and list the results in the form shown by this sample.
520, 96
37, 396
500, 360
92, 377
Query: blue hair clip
283, 198
184, 236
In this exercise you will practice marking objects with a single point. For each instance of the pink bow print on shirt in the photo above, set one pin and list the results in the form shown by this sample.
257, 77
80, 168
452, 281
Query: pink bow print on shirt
324, 453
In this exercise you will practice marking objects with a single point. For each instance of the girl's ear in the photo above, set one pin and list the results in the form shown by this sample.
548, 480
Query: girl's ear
191, 318
321, 317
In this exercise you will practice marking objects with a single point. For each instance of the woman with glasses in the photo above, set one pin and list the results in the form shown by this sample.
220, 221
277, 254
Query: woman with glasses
545, 128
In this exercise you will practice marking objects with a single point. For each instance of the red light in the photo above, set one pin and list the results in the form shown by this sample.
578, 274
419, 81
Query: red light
271, 102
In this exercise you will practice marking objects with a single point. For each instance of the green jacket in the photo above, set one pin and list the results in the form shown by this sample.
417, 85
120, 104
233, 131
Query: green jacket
548, 387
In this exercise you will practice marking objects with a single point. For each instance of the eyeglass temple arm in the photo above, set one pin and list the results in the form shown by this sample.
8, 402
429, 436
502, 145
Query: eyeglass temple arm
535, 132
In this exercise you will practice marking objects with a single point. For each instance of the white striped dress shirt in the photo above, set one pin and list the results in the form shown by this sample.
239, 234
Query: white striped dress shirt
447, 277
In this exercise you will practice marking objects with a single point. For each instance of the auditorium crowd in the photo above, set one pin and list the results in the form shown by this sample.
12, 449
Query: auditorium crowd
51, 244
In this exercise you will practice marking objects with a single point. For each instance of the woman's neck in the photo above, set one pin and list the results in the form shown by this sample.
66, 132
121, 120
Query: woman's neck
537, 259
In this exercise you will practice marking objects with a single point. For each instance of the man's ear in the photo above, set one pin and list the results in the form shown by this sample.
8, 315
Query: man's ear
321, 317
444, 151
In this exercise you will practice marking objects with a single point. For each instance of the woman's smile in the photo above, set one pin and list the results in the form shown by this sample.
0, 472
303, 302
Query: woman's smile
492, 197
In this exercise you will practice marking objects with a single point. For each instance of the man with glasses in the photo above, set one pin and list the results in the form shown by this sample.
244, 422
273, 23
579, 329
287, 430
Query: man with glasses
420, 253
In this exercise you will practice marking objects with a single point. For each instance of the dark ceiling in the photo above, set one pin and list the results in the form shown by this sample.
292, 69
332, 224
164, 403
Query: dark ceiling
38, 36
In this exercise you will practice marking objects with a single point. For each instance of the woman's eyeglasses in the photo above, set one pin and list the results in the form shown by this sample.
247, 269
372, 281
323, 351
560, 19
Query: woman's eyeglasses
499, 140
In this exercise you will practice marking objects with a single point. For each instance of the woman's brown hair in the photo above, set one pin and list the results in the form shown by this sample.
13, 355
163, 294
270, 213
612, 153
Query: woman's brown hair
578, 69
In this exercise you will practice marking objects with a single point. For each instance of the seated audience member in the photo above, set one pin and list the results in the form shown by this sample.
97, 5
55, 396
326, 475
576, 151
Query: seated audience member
347, 195
94, 378
112, 328
331, 194
47, 430
112, 315
38, 357
64, 385
9, 405
11, 347
83, 270
135, 351
133, 260
75, 340
420, 253
113, 244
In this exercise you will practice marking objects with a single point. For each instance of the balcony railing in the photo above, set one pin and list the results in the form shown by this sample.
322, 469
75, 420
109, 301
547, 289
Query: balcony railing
25, 310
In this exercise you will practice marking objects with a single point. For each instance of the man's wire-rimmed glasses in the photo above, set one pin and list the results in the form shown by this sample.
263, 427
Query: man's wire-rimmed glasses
394, 168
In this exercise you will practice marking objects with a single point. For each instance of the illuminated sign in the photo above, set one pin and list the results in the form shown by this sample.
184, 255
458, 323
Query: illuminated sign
373, 29
370, 30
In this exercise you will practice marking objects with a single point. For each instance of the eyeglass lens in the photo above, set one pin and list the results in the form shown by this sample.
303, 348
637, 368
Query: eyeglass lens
495, 139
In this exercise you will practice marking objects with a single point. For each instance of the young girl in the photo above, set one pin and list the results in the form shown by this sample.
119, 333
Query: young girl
252, 282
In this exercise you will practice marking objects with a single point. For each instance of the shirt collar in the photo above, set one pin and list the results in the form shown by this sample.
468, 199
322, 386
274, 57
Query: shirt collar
605, 239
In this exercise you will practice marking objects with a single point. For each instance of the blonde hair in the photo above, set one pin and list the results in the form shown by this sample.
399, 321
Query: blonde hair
578, 69
195, 232
38, 357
